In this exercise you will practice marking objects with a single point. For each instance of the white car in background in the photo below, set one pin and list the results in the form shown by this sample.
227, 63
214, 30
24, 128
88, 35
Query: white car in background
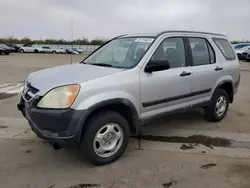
30, 48
48, 49
241, 52
62, 50
246, 55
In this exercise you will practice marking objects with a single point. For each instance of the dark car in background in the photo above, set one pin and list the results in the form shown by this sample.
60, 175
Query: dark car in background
13, 47
71, 51
77, 50
4, 49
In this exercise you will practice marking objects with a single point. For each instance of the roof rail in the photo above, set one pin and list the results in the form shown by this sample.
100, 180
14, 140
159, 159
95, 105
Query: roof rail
179, 31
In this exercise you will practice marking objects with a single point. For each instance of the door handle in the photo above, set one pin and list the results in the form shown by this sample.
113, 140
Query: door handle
218, 68
184, 73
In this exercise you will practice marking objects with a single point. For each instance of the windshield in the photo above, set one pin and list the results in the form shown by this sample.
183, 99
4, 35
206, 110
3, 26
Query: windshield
121, 52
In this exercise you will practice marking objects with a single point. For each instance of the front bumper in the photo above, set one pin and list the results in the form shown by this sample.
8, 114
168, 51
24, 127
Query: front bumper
57, 126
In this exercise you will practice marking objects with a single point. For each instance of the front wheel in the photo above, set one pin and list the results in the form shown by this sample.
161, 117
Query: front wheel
106, 138
218, 107
2, 53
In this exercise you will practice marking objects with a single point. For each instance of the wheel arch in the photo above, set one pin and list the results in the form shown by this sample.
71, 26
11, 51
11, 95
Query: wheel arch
120, 105
227, 85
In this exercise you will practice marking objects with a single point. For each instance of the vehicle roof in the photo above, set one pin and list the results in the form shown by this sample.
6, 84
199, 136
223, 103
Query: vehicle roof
242, 43
156, 34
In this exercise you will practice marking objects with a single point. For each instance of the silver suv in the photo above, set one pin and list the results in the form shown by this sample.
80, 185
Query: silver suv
95, 105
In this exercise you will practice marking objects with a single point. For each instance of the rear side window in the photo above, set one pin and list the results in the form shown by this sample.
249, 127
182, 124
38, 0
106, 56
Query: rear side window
202, 52
225, 48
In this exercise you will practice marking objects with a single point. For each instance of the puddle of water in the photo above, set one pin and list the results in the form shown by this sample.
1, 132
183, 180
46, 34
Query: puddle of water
169, 184
188, 146
84, 185
53, 185
28, 151
3, 126
191, 142
207, 166
197, 139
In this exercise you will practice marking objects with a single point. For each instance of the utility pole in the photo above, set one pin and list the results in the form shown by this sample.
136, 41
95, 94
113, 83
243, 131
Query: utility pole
72, 36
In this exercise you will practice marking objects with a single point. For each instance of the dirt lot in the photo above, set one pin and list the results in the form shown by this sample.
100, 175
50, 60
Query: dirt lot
164, 159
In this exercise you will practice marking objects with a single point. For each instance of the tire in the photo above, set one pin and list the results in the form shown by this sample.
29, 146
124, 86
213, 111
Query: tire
54, 52
2, 53
36, 51
21, 51
97, 124
211, 112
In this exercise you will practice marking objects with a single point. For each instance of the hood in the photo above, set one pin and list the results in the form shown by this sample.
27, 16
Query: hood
47, 79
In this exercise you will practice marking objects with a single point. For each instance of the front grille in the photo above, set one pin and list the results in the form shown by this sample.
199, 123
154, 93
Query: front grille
27, 97
29, 92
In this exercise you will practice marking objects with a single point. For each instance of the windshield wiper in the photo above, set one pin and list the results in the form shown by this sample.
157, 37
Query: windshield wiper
101, 64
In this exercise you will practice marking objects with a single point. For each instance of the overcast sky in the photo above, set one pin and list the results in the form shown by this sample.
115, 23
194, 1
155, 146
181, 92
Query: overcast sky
40, 19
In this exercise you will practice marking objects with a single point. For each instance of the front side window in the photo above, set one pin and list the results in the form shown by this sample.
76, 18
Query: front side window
173, 50
121, 52
225, 48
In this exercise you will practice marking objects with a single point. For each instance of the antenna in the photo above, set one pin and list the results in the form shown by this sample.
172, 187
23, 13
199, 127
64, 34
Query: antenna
71, 31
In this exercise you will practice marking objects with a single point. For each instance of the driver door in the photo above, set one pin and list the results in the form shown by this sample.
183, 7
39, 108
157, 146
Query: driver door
167, 90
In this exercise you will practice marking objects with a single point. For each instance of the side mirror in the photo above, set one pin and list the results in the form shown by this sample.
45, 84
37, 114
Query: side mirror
157, 65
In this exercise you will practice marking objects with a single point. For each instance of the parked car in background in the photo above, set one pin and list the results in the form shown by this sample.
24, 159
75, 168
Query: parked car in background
30, 48
240, 52
246, 55
47, 49
4, 49
14, 46
71, 51
62, 50
77, 50
13, 49
241, 45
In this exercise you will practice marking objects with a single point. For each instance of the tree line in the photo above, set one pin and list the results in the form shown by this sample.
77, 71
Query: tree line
26, 40
82, 41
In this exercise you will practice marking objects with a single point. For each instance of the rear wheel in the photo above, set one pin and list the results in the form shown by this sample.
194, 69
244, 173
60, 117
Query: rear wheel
36, 51
106, 138
2, 53
21, 51
54, 52
218, 107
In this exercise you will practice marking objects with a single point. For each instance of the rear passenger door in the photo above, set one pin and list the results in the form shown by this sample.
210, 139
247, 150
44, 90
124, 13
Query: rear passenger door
166, 90
204, 68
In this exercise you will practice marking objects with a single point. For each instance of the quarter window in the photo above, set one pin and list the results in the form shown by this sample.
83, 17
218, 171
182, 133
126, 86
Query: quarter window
225, 48
202, 52
173, 50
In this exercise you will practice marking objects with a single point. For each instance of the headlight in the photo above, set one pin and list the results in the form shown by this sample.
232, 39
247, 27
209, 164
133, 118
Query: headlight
60, 97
